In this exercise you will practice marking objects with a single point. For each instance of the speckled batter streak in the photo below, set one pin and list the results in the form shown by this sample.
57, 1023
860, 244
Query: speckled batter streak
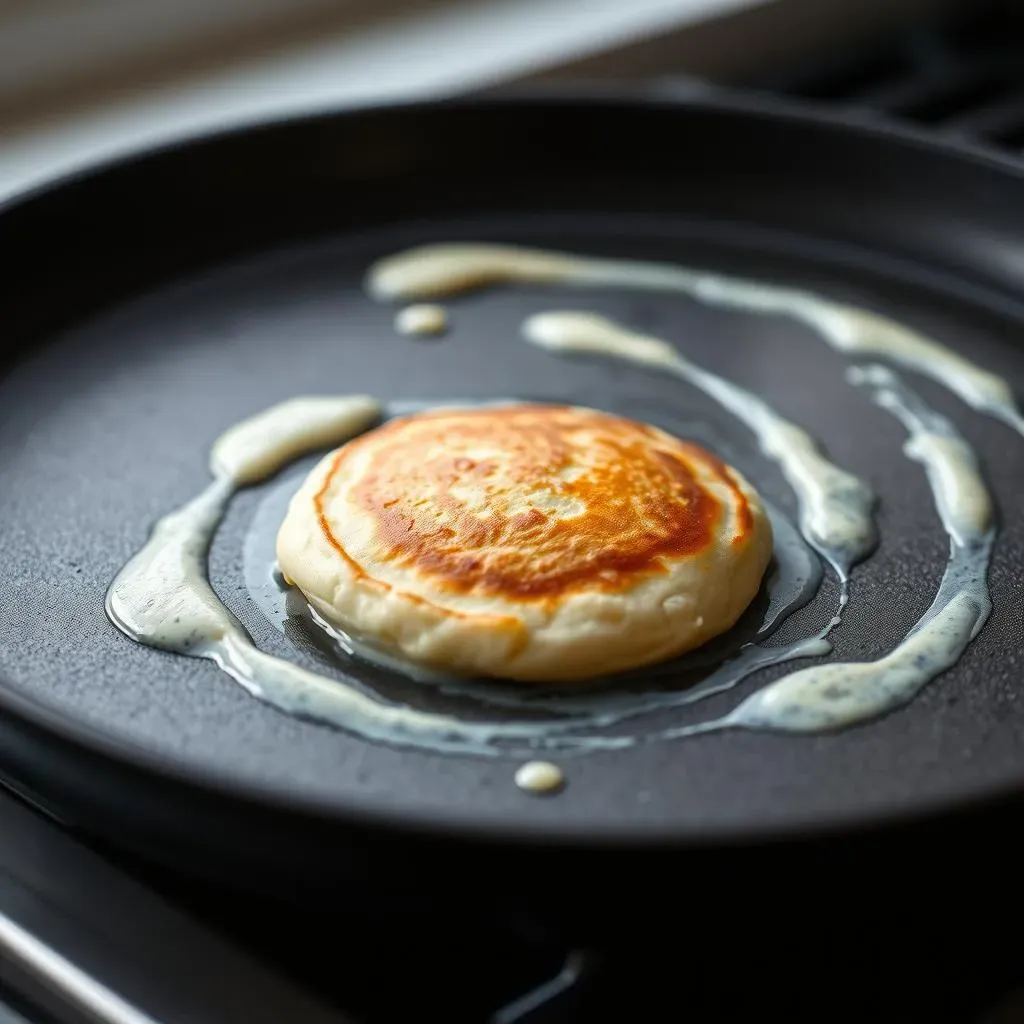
162, 597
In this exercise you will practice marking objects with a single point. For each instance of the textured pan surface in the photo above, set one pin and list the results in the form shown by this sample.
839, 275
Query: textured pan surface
153, 304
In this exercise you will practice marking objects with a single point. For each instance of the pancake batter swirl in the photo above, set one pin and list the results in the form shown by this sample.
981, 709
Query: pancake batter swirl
558, 543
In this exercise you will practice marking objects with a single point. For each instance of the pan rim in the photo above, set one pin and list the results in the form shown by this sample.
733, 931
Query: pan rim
126, 754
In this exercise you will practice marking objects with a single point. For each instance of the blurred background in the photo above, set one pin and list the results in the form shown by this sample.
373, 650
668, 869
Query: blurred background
80, 80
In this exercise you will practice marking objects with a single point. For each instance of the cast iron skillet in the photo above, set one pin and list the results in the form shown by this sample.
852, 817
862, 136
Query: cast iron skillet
150, 303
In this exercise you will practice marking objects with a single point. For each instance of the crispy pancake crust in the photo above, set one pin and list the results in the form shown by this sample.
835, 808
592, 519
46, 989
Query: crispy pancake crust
527, 541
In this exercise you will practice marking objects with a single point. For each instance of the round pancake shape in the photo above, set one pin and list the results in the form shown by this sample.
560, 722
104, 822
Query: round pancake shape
526, 542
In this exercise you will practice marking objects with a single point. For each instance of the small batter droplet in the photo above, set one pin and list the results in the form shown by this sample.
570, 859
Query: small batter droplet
421, 319
540, 777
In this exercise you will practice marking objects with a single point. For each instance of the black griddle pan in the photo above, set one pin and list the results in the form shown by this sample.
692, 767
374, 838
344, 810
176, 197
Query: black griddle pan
148, 304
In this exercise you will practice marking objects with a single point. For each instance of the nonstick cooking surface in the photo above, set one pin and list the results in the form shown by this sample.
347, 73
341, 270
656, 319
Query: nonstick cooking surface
154, 308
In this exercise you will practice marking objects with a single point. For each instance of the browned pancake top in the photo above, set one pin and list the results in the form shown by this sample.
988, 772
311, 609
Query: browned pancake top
530, 502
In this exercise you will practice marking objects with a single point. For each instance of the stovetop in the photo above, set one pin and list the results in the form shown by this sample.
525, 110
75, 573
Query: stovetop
89, 935
961, 77
86, 935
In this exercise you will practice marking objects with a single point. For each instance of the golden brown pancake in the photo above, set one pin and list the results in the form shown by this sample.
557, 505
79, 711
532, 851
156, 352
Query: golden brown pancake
528, 541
